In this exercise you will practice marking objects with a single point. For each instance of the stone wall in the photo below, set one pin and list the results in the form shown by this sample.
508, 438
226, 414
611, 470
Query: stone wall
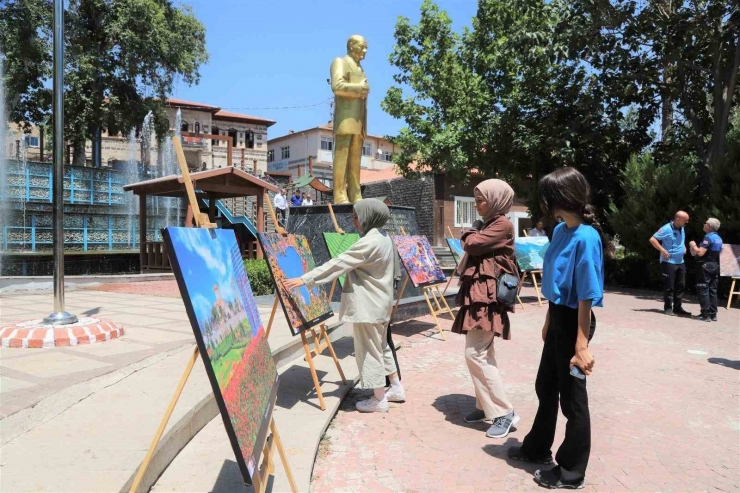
418, 194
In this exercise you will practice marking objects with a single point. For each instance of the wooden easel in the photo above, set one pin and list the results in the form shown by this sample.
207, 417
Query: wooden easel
319, 346
533, 275
454, 272
429, 295
733, 292
259, 477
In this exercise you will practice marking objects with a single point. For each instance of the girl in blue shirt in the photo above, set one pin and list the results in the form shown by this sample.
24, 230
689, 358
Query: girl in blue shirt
573, 282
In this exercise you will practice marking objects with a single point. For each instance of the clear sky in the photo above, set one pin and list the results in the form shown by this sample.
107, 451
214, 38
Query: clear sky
277, 53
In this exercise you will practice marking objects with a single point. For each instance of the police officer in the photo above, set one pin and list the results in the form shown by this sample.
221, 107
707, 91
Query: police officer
670, 242
707, 276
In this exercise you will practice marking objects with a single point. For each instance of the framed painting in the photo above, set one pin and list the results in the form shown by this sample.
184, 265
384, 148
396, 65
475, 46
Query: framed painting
419, 260
338, 243
729, 261
456, 248
289, 256
530, 252
230, 336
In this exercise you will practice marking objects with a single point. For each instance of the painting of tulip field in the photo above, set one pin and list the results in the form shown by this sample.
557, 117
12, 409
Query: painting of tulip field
230, 335
338, 244
288, 257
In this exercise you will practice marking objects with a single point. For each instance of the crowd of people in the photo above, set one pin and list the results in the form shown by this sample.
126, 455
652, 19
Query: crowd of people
572, 281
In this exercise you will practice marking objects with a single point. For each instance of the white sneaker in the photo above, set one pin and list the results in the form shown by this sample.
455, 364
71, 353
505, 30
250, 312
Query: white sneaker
395, 394
372, 405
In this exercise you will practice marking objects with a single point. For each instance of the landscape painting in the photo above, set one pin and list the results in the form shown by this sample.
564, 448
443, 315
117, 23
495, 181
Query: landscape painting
530, 252
289, 256
338, 244
456, 248
419, 260
729, 261
230, 335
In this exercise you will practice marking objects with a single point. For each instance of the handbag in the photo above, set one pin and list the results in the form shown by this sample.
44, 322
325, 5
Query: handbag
507, 287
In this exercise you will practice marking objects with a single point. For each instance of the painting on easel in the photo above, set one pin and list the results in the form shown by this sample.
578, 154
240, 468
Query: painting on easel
290, 256
338, 243
530, 252
729, 261
456, 248
231, 338
419, 260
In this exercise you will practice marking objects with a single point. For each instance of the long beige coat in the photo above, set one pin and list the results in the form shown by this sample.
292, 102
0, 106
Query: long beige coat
350, 107
367, 296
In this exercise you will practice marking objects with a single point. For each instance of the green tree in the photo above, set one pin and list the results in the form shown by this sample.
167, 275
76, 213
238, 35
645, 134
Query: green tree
121, 61
25, 47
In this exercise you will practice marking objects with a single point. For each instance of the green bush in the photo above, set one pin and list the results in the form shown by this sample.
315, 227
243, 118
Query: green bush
259, 276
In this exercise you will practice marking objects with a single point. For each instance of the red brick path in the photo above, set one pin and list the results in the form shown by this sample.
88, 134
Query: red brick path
664, 400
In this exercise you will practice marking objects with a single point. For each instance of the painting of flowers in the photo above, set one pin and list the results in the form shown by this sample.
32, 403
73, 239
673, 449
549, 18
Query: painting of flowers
230, 335
338, 243
289, 256
419, 260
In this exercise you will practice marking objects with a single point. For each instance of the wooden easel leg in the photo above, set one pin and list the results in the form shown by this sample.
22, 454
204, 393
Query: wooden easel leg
521, 285
444, 300
536, 288
165, 419
272, 315
436, 304
732, 292
331, 291
448, 284
333, 354
315, 377
283, 456
434, 314
400, 295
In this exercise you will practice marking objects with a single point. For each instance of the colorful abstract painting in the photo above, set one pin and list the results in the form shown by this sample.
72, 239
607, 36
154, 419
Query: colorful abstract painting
338, 244
530, 252
289, 256
419, 260
729, 261
456, 248
230, 335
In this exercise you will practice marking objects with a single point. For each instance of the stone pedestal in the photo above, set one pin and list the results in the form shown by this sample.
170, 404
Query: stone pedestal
313, 221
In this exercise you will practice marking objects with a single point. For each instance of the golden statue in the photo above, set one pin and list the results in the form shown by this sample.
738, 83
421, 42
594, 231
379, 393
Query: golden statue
350, 87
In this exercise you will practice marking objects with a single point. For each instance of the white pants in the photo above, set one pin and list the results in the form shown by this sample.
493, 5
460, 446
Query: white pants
490, 396
373, 355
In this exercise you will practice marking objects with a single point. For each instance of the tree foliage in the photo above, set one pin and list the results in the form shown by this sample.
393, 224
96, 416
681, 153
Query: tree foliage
122, 59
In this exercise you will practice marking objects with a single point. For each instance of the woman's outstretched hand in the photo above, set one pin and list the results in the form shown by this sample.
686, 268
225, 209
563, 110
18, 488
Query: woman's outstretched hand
291, 284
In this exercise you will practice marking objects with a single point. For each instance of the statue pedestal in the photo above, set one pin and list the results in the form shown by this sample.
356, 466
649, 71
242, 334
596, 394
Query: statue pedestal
313, 221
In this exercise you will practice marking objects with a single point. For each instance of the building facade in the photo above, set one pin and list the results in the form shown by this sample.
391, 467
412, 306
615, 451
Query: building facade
289, 154
248, 134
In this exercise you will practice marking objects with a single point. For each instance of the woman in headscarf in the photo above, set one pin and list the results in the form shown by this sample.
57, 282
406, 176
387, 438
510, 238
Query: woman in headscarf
489, 252
367, 299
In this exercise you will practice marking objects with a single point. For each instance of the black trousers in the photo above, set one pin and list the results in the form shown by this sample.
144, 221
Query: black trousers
706, 286
555, 383
674, 284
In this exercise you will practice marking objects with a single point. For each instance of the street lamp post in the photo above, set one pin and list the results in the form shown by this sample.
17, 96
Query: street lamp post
59, 316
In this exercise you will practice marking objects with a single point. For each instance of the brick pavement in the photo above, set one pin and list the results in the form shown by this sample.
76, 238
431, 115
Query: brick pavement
664, 402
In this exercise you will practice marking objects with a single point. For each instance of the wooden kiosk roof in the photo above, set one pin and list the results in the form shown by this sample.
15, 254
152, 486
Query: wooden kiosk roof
221, 183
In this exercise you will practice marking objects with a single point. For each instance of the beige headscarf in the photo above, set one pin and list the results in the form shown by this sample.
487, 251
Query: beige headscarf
500, 197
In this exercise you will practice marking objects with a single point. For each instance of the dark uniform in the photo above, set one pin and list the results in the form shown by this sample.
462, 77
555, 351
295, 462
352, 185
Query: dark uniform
708, 274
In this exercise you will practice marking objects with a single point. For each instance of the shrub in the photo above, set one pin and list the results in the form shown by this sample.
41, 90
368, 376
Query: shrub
259, 276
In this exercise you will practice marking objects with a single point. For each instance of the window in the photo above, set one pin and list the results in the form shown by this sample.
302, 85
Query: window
234, 140
327, 144
386, 156
215, 131
367, 149
465, 213
285, 152
249, 138
31, 141
184, 127
197, 127
271, 156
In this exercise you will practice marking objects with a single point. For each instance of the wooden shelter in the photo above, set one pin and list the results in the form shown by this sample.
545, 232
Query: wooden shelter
211, 185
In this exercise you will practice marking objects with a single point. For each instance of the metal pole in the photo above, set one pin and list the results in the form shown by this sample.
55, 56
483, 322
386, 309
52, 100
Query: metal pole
59, 316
